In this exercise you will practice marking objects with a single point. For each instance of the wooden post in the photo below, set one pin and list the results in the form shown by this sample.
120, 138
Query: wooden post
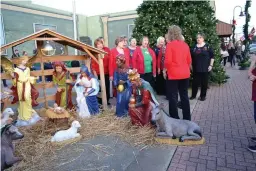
66, 50
102, 82
40, 55
104, 20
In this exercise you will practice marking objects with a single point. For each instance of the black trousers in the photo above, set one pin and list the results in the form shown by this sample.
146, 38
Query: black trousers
174, 87
149, 78
200, 79
232, 61
225, 60
160, 84
107, 84
238, 57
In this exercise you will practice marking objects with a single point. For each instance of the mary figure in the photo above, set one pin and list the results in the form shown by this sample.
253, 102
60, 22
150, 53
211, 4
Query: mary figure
87, 88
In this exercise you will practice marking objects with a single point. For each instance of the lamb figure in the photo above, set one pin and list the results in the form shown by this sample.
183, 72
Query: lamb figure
67, 134
5, 117
175, 128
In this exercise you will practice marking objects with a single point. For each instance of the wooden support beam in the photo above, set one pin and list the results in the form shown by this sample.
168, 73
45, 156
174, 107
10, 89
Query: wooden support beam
40, 56
55, 58
91, 55
102, 82
47, 38
66, 50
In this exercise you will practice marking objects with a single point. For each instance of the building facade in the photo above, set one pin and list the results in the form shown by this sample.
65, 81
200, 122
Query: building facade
21, 18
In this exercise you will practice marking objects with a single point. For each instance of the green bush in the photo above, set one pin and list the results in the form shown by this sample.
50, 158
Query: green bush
154, 18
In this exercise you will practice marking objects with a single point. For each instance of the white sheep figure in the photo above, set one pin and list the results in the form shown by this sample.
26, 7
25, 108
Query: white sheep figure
175, 128
67, 134
6, 115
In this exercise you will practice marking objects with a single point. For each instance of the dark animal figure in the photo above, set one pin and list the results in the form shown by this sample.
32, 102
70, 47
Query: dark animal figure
8, 134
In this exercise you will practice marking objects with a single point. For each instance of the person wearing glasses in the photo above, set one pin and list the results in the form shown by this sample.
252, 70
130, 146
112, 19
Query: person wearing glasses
202, 63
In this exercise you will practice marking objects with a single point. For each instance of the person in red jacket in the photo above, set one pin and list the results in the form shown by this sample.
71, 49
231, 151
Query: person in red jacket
144, 60
160, 54
106, 49
119, 49
177, 68
95, 66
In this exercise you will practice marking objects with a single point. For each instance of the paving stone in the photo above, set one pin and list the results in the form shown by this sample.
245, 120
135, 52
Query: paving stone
117, 155
227, 121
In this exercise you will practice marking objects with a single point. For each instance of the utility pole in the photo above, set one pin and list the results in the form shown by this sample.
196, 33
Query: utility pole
74, 22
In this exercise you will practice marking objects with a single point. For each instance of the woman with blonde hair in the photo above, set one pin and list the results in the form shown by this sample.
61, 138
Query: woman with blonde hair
177, 67
160, 51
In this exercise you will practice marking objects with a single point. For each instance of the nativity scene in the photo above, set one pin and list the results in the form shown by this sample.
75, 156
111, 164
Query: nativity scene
74, 101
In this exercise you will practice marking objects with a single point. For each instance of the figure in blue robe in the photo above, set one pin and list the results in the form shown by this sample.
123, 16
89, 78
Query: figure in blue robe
87, 89
123, 87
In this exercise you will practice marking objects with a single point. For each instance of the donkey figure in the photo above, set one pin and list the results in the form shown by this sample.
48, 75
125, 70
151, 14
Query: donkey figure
8, 134
175, 128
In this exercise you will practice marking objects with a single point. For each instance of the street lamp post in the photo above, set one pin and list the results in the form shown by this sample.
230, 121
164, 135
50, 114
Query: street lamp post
74, 22
234, 26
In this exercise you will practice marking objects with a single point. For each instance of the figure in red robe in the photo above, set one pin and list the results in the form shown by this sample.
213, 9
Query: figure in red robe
143, 100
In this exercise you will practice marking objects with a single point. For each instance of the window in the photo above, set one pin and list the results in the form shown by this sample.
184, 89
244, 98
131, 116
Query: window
2, 34
59, 48
38, 27
130, 29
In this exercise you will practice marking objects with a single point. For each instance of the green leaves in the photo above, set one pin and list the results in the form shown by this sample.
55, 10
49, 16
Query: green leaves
192, 16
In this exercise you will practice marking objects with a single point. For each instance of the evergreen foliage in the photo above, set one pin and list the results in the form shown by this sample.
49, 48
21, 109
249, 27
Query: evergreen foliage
154, 18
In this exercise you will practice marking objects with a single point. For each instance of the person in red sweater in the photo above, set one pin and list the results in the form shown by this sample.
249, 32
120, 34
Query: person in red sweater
119, 49
95, 67
106, 49
144, 60
177, 68
160, 54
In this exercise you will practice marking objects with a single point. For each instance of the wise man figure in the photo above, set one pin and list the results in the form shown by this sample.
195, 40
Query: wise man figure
143, 100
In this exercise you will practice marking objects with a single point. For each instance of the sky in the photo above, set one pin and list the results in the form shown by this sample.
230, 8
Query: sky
224, 8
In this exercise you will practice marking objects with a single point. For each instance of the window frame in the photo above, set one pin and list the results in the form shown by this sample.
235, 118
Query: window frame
4, 37
129, 36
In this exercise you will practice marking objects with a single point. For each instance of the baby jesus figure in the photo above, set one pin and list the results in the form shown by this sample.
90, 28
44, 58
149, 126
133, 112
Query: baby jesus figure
57, 113
57, 109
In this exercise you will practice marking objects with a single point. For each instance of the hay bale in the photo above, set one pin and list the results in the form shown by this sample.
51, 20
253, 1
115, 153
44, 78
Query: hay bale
37, 150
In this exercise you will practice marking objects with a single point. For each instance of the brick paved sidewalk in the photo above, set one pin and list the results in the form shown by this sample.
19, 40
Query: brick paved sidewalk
226, 118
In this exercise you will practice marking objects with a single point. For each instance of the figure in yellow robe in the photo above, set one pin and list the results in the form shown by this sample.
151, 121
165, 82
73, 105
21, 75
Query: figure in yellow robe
24, 92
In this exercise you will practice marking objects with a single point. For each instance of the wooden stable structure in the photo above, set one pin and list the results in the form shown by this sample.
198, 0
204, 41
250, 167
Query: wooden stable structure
48, 35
